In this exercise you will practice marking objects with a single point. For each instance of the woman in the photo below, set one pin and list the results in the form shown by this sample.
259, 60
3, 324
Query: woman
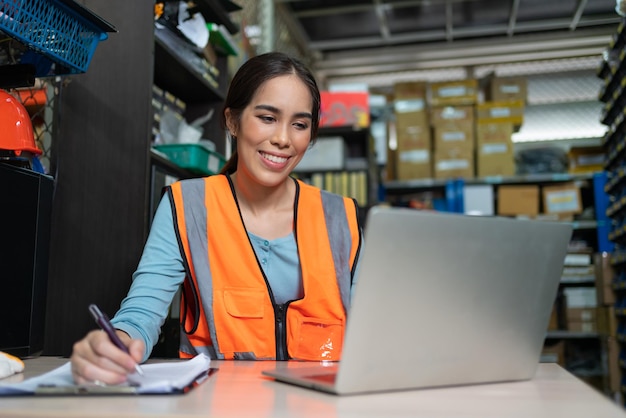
266, 262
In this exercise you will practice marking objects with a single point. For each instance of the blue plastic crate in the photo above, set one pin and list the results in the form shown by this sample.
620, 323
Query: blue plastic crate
59, 30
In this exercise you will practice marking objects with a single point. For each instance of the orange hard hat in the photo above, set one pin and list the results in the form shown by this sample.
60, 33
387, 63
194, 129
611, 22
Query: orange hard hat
16, 128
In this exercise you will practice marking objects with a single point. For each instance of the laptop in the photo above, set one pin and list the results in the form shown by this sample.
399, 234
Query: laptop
444, 300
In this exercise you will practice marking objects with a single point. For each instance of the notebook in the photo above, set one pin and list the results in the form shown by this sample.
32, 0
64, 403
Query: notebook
160, 378
444, 300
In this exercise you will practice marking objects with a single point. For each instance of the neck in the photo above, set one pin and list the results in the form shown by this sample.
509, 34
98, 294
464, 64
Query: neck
256, 198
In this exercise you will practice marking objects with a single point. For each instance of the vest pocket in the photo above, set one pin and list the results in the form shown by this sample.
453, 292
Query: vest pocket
318, 339
244, 303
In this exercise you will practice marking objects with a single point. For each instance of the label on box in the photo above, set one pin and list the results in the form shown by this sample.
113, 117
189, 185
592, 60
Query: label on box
453, 136
562, 201
494, 148
452, 91
415, 156
591, 159
510, 88
408, 105
500, 112
452, 113
452, 165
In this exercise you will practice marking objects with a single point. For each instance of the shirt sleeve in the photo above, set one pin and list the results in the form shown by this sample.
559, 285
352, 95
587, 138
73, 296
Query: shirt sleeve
155, 282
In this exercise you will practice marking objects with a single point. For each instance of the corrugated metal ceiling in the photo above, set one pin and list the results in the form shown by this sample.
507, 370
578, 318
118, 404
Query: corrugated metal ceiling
365, 37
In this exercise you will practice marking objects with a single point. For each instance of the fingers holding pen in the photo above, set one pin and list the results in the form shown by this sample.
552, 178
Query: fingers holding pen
96, 358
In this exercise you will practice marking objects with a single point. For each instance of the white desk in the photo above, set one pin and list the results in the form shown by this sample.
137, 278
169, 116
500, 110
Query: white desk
239, 390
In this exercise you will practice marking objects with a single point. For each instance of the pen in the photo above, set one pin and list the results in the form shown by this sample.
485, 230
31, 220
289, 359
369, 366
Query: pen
103, 321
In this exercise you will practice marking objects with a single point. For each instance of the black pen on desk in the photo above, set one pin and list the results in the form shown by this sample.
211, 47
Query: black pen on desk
103, 321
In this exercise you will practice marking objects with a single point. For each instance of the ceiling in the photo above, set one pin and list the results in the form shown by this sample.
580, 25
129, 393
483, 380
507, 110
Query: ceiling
352, 39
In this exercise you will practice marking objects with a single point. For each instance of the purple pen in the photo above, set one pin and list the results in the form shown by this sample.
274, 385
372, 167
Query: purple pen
103, 321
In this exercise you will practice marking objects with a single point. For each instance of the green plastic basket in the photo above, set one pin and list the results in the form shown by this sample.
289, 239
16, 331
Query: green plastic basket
194, 157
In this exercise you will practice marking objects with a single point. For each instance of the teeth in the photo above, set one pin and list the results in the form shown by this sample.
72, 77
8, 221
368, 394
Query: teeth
274, 159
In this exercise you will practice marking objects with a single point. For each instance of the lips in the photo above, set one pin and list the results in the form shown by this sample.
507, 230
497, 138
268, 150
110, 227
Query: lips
274, 158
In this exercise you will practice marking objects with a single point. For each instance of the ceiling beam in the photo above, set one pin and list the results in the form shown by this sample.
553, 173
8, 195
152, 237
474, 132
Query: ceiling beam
449, 24
381, 14
580, 7
513, 17
464, 53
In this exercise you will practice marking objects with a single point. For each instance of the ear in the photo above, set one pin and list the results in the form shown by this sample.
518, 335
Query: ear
231, 124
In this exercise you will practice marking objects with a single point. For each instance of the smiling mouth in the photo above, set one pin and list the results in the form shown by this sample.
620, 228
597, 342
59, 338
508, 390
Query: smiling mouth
274, 159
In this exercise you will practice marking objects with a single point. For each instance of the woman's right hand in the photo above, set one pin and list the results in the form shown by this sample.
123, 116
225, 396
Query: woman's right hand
95, 359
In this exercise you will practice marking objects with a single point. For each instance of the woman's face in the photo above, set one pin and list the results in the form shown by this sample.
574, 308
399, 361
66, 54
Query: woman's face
274, 130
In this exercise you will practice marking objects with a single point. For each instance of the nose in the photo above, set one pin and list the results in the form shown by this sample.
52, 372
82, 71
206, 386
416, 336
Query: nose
281, 137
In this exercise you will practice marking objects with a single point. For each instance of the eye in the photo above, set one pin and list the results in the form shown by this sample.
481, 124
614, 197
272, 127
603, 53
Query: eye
301, 125
267, 118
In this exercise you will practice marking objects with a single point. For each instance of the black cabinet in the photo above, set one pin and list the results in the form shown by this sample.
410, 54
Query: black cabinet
25, 213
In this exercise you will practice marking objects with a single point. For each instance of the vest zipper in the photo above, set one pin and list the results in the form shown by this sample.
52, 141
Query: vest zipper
280, 316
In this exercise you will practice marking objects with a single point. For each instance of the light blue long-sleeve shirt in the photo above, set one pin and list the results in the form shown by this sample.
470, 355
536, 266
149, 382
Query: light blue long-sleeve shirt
161, 272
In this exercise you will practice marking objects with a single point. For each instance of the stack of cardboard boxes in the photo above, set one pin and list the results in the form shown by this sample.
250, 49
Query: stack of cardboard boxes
455, 129
452, 122
413, 158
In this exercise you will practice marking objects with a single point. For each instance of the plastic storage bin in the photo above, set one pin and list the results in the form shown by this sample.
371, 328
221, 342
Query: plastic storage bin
194, 157
59, 31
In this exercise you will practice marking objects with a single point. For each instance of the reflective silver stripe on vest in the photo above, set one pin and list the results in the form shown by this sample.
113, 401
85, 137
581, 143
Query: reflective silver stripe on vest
196, 225
340, 242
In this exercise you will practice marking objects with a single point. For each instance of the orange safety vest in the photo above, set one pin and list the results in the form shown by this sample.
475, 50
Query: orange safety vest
227, 309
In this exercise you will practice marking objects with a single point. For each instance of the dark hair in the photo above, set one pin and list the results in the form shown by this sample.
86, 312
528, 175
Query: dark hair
251, 75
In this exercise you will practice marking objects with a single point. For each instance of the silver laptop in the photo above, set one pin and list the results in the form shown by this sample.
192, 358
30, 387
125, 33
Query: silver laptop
444, 300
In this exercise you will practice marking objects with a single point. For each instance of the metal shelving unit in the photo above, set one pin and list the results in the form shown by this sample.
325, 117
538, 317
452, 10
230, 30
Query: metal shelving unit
613, 95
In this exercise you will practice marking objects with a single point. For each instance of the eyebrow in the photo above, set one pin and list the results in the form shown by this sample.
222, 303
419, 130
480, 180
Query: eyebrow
276, 110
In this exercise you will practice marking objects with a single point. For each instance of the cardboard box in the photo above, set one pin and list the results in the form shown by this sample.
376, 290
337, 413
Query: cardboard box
493, 132
459, 164
518, 200
607, 321
501, 112
413, 131
563, 199
451, 113
586, 159
580, 314
410, 90
582, 326
413, 164
416, 118
494, 150
604, 279
456, 135
580, 297
495, 164
612, 349
507, 89
409, 97
462, 92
